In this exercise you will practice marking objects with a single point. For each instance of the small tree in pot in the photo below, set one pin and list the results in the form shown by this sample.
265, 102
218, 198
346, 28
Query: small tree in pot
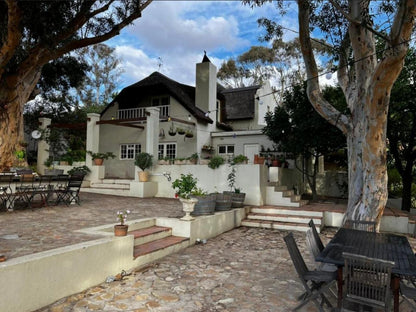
143, 161
237, 196
184, 187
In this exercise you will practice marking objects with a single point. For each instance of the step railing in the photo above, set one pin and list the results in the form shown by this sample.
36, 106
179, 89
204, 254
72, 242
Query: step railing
140, 112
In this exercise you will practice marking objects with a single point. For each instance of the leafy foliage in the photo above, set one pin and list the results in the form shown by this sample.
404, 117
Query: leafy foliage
143, 160
185, 185
215, 162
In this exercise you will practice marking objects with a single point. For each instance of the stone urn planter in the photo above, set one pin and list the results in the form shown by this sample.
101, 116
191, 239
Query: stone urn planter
237, 199
120, 230
205, 205
223, 202
188, 206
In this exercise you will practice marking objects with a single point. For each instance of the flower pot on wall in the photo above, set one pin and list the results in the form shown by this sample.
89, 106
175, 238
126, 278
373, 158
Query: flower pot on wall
98, 161
237, 199
188, 206
120, 230
223, 202
205, 205
143, 176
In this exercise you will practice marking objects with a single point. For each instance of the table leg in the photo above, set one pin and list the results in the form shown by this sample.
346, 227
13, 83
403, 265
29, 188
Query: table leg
395, 283
340, 282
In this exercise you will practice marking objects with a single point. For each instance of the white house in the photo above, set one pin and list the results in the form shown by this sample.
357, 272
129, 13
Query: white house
222, 121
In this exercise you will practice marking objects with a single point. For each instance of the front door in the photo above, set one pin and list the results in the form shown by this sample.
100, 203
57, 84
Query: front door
250, 150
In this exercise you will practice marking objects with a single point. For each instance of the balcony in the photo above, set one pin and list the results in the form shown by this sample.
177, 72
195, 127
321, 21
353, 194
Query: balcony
131, 113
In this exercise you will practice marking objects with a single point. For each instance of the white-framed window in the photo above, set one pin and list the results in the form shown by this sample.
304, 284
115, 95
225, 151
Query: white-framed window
129, 151
225, 149
167, 150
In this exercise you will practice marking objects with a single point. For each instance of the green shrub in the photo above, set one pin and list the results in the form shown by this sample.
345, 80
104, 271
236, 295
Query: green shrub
215, 162
143, 161
185, 186
240, 159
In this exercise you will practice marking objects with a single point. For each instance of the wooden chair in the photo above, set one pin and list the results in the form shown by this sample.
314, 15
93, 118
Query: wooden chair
313, 246
368, 226
366, 282
316, 282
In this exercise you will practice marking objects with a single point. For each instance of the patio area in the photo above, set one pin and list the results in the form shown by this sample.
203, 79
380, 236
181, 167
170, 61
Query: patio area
246, 269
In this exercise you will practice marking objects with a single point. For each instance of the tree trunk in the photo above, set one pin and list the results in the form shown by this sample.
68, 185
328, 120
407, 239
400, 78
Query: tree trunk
15, 92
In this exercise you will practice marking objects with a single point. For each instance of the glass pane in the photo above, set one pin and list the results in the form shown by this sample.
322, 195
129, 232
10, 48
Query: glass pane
123, 151
230, 149
221, 149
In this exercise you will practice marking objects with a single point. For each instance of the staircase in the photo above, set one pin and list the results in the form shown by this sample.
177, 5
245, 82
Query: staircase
152, 242
284, 211
120, 187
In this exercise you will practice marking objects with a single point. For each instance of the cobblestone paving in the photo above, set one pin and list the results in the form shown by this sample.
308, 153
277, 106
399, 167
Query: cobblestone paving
243, 270
27, 231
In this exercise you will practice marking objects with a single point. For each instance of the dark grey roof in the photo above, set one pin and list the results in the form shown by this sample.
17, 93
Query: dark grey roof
157, 84
239, 102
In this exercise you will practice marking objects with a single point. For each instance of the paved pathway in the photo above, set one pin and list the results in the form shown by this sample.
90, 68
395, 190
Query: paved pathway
243, 270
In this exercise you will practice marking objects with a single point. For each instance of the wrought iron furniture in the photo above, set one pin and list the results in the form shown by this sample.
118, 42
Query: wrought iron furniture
408, 291
369, 226
383, 246
316, 282
5, 190
367, 282
70, 193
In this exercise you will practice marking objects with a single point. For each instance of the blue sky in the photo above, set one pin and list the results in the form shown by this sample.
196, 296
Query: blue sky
178, 32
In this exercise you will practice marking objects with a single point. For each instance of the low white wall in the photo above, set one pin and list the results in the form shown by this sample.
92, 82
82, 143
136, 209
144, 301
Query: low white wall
34, 281
252, 179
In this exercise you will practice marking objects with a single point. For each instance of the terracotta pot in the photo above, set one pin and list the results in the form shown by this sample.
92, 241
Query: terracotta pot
120, 230
143, 176
98, 161
260, 160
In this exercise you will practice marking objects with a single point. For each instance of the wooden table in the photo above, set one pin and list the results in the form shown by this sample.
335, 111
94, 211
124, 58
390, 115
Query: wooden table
375, 245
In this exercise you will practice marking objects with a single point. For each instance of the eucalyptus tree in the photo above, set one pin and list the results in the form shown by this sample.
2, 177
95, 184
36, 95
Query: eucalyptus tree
33, 33
352, 27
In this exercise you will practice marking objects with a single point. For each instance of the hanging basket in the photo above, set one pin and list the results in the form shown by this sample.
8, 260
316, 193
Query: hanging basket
189, 135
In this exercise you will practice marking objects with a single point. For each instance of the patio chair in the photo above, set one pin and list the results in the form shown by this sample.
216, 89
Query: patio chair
70, 193
313, 246
24, 190
316, 283
5, 190
408, 291
42, 189
368, 226
366, 282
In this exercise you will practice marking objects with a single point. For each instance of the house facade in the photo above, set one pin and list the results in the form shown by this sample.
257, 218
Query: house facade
216, 121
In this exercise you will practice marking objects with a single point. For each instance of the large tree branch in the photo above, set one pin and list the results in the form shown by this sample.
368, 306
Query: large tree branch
14, 34
41, 55
325, 109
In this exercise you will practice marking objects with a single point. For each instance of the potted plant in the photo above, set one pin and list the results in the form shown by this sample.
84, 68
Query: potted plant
172, 130
206, 202
81, 170
121, 229
99, 158
240, 159
189, 134
215, 162
237, 197
143, 161
180, 131
193, 159
184, 186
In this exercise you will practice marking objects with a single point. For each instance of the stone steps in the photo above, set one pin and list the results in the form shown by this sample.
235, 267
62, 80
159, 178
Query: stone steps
283, 218
118, 187
280, 195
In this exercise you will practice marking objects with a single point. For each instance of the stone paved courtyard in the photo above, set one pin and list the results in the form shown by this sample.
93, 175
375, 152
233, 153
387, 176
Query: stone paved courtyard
244, 270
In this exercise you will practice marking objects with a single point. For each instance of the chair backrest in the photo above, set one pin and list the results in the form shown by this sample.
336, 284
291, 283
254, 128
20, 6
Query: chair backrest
316, 237
312, 244
367, 280
368, 226
296, 256
75, 181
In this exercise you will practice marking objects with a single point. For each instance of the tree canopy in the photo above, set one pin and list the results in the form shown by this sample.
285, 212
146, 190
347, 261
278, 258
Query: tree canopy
33, 33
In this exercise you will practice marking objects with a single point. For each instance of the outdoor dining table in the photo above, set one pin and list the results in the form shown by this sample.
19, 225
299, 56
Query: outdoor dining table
384, 246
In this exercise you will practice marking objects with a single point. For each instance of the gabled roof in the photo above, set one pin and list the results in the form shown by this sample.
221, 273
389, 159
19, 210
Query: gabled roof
239, 102
157, 84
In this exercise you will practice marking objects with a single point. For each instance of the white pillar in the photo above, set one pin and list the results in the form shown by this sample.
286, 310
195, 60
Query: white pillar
43, 147
152, 131
93, 136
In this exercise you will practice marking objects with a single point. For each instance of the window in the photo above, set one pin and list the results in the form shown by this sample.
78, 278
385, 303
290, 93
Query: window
225, 149
167, 150
129, 151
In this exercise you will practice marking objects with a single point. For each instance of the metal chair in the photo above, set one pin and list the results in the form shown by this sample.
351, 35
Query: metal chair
366, 282
313, 246
70, 193
316, 283
368, 226
24, 190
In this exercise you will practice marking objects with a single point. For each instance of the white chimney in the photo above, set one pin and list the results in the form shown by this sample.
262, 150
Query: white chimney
206, 86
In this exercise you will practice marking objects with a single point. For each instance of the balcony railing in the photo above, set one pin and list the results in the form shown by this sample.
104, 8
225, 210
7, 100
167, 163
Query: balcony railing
140, 112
